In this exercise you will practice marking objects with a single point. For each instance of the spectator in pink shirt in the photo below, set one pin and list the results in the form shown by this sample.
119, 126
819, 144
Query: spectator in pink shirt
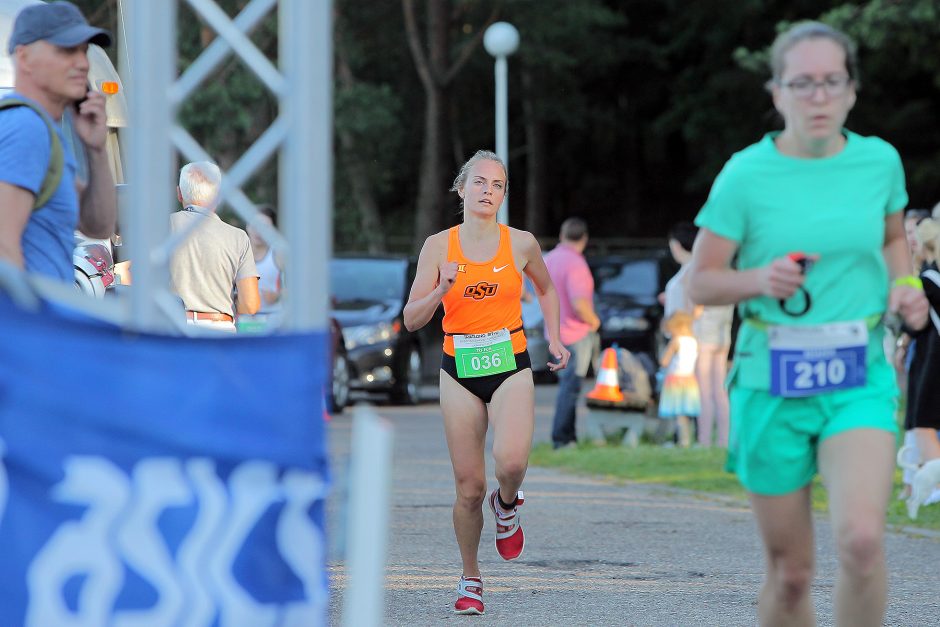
575, 286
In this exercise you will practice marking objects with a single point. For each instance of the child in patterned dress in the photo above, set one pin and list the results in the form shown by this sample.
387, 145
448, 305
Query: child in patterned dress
680, 398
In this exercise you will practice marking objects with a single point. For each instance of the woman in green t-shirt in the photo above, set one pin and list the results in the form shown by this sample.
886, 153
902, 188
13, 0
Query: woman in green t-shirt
811, 389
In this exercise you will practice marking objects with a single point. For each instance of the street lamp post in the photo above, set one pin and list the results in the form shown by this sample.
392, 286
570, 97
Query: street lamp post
501, 40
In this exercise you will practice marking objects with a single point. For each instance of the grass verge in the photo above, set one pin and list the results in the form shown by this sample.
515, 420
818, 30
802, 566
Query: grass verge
692, 469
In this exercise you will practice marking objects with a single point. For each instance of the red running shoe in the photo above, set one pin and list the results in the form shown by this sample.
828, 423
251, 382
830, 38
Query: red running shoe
469, 596
509, 537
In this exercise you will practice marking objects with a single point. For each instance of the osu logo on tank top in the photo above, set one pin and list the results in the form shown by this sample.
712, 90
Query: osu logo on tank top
486, 295
481, 290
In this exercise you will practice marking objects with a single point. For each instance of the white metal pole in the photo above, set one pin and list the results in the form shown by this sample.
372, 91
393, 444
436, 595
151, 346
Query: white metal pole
501, 40
123, 50
152, 47
502, 128
218, 51
306, 166
367, 521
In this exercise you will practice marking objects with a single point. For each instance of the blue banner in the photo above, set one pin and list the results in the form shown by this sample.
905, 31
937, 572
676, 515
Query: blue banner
151, 480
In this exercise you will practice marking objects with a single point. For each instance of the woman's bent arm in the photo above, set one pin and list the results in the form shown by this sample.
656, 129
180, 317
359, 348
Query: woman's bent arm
712, 281
429, 285
896, 251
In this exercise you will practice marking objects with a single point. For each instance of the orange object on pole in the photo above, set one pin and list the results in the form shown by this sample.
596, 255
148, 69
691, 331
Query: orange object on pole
607, 385
109, 87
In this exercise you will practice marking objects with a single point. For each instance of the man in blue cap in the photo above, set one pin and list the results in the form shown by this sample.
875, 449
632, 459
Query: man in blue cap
38, 217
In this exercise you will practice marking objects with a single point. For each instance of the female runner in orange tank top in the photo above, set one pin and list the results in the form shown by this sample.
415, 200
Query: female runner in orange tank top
475, 270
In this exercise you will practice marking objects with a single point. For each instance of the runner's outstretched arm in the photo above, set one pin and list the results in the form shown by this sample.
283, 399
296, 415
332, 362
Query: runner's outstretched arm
548, 300
906, 299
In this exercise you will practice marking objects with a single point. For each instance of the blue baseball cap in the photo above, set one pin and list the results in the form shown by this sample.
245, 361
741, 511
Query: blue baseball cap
60, 23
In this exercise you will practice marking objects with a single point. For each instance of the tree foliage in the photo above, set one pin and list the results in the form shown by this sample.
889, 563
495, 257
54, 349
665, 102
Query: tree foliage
900, 94
621, 111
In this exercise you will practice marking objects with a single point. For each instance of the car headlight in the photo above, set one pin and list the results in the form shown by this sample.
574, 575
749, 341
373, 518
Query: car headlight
366, 334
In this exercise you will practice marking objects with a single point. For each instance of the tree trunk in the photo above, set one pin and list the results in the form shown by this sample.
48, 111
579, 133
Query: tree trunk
458, 149
436, 73
536, 218
370, 221
429, 210
431, 66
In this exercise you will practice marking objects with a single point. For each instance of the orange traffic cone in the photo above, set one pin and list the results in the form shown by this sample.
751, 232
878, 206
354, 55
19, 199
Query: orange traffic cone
607, 386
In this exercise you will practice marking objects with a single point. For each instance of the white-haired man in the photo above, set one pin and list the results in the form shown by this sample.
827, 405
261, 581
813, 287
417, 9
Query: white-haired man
49, 45
215, 259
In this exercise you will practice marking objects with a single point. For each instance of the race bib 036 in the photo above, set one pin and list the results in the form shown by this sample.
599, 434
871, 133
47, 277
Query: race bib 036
484, 354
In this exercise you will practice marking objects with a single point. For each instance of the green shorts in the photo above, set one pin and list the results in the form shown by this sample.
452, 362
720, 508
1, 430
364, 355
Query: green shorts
774, 440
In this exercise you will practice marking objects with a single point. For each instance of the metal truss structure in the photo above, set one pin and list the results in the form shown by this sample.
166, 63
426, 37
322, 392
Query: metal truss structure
302, 132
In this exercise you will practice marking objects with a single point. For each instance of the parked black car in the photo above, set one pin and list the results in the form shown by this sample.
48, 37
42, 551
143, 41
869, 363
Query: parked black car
369, 293
626, 290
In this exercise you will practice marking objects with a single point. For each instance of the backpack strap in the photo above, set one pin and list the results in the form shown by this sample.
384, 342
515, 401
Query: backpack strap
50, 183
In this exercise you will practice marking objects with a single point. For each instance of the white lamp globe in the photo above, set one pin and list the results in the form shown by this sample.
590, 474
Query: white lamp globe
501, 39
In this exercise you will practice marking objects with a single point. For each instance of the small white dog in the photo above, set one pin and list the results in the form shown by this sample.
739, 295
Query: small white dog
924, 485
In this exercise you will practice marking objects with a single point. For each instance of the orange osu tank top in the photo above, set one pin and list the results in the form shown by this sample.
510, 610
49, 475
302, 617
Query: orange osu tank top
486, 296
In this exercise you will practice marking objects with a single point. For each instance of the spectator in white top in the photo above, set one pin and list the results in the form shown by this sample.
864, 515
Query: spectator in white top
268, 262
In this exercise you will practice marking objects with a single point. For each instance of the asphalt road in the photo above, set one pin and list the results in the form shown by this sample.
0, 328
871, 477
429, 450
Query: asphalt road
597, 552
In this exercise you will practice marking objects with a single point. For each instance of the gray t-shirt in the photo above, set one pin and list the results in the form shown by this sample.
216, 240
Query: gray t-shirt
204, 268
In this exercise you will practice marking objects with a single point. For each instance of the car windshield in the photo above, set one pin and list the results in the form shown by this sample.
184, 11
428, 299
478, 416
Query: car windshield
627, 277
360, 282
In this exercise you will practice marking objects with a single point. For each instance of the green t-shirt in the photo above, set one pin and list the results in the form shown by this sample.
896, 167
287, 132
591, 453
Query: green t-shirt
771, 204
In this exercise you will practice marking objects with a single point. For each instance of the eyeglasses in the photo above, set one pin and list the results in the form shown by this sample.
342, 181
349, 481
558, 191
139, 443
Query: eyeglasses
804, 87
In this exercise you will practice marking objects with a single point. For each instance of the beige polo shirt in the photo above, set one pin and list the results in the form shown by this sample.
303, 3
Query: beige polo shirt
205, 267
